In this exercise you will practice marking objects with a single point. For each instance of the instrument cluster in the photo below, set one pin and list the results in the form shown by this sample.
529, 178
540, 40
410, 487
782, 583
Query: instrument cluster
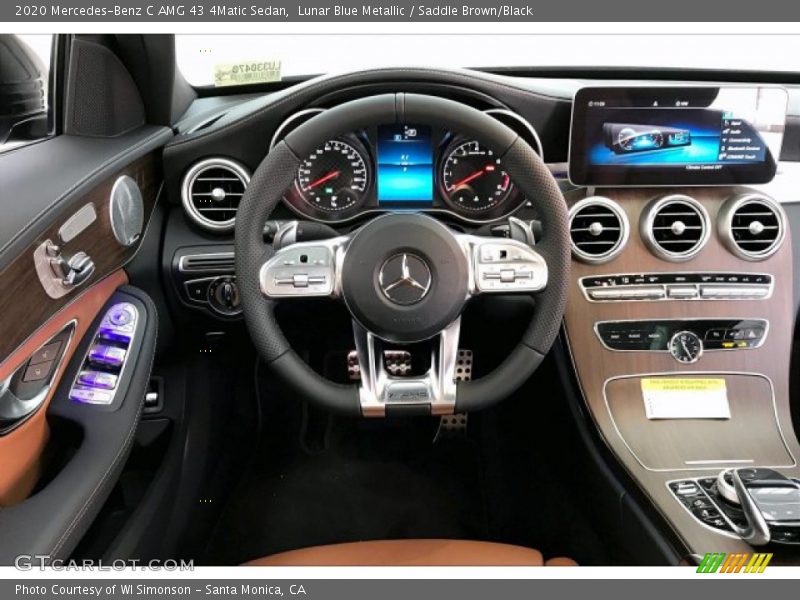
397, 167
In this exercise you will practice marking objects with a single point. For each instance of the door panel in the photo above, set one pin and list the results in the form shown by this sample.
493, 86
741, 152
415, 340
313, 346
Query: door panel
67, 230
88, 443
24, 303
21, 449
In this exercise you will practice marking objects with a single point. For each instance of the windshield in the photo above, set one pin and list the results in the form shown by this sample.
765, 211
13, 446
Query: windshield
272, 57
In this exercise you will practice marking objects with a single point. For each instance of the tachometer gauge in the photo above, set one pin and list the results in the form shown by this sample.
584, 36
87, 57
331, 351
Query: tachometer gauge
473, 177
335, 177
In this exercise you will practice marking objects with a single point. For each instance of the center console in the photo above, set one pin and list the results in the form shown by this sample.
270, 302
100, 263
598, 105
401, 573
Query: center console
716, 317
680, 315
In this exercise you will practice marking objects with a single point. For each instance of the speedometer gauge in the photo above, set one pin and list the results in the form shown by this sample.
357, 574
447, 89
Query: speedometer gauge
335, 177
473, 177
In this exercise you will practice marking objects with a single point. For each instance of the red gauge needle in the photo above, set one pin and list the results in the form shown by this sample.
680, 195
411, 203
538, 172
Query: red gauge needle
321, 180
475, 175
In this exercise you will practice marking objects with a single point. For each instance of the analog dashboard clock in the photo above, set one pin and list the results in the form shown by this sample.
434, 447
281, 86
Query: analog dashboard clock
686, 347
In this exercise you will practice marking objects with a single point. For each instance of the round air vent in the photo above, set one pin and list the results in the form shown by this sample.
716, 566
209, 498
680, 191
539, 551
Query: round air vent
211, 192
675, 227
598, 228
752, 226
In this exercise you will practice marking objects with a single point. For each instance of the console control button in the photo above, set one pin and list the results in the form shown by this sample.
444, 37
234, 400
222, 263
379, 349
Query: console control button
717, 522
604, 294
695, 498
197, 290
654, 336
700, 502
733, 292
223, 296
678, 286
627, 293
683, 292
685, 488
707, 512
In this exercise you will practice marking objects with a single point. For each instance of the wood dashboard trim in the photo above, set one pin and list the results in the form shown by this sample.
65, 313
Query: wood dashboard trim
721, 463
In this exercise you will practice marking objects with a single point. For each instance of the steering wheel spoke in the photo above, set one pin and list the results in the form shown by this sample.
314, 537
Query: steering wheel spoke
435, 389
305, 270
503, 266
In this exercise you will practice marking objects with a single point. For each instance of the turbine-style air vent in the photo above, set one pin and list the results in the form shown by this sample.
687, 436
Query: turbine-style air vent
598, 228
675, 227
751, 226
211, 192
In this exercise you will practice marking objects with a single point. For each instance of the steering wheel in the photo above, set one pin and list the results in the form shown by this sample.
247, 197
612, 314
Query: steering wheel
403, 277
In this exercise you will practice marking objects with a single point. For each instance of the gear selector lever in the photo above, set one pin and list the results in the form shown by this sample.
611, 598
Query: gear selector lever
770, 502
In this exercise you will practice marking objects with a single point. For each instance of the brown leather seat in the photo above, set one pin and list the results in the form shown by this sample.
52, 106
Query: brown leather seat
412, 553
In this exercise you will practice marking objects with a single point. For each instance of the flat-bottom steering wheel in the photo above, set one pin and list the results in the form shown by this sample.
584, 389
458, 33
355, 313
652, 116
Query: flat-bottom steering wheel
403, 277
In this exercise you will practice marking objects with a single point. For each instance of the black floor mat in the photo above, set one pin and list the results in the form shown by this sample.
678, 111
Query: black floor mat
514, 479
374, 481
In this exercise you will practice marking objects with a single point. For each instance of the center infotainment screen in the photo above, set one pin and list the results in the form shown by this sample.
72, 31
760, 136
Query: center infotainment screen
676, 135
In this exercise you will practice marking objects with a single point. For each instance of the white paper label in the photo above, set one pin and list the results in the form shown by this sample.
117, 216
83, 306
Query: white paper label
685, 398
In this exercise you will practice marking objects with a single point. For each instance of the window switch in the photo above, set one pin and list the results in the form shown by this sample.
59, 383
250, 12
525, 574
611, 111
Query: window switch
38, 372
107, 356
98, 379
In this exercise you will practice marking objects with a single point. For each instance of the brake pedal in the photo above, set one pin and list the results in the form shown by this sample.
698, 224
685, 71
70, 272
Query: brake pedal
396, 362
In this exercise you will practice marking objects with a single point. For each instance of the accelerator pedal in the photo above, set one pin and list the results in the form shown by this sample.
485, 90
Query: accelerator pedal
452, 426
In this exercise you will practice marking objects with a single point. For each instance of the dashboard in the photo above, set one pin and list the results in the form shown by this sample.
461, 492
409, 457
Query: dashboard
680, 197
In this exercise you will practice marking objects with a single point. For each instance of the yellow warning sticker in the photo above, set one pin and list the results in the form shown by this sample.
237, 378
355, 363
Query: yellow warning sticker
681, 384
685, 398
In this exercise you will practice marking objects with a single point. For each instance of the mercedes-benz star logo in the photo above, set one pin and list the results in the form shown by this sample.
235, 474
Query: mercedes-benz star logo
405, 278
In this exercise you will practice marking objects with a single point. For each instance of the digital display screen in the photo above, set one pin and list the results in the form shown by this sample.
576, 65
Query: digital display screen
676, 136
405, 164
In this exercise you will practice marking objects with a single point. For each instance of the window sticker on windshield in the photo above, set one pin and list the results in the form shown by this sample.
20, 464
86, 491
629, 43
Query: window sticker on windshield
241, 73
685, 398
